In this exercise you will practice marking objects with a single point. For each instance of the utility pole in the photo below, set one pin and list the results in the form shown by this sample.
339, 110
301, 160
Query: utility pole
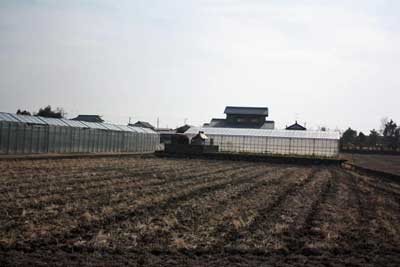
158, 122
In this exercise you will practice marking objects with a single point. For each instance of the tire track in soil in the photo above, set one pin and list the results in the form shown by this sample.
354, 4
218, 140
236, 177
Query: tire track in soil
85, 228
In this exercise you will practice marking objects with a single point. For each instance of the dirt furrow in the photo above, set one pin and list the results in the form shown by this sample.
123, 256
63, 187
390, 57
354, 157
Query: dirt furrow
285, 207
97, 213
380, 214
169, 227
44, 176
105, 198
115, 181
33, 185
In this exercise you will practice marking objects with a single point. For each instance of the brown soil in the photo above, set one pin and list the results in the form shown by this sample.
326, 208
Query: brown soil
383, 163
166, 212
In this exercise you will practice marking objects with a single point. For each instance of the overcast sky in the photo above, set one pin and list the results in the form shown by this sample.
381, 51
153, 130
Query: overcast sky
331, 63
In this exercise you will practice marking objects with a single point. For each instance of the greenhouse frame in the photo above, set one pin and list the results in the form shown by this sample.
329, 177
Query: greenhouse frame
21, 134
280, 142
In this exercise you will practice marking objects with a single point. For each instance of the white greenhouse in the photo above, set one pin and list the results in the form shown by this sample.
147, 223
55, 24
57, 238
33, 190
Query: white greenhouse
21, 134
281, 142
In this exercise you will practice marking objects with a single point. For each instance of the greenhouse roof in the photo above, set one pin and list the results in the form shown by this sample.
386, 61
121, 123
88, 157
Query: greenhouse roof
28, 119
72, 123
111, 127
147, 130
8, 117
125, 128
264, 133
53, 121
141, 130
137, 129
94, 125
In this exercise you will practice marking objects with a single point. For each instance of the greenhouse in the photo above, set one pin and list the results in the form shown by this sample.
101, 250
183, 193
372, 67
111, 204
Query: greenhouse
282, 142
21, 134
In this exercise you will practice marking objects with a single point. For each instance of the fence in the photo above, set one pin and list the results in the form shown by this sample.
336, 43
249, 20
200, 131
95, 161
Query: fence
29, 138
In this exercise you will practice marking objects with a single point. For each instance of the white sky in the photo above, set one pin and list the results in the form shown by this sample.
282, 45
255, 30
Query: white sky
331, 63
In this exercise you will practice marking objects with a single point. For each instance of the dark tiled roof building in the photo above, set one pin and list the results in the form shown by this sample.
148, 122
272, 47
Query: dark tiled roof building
183, 128
296, 127
89, 118
143, 124
243, 117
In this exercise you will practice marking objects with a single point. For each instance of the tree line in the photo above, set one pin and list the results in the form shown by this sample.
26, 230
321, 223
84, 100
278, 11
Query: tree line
47, 112
387, 139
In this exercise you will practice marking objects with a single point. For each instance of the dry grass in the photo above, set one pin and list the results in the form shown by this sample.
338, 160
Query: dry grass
114, 206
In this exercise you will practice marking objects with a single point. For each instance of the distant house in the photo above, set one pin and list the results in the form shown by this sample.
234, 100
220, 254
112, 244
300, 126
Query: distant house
166, 135
183, 128
89, 118
165, 130
296, 127
143, 124
243, 117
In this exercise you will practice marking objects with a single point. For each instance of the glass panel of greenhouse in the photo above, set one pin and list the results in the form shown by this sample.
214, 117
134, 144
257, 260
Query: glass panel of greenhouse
124, 128
53, 121
94, 125
73, 123
111, 127
21, 134
137, 129
7, 117
281, 142
29, 119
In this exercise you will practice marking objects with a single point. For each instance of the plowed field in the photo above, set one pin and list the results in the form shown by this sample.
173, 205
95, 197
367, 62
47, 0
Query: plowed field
166, 212
383, 163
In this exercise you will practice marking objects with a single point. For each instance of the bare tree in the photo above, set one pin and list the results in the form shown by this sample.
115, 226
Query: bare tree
384, 121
